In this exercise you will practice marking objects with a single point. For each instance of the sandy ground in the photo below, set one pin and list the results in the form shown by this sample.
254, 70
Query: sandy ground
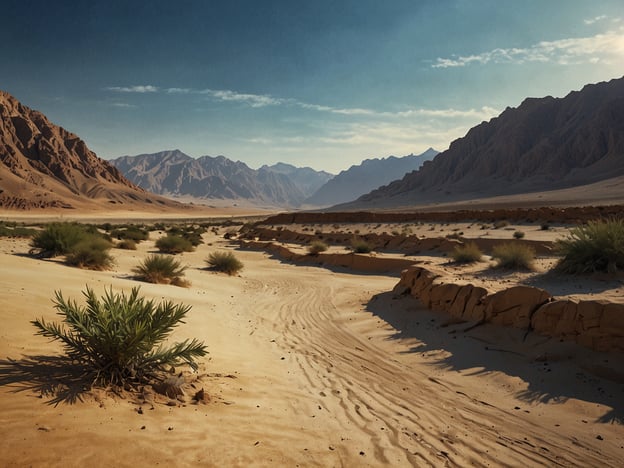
307, 367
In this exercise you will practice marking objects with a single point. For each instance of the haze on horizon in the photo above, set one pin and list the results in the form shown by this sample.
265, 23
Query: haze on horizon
323, 84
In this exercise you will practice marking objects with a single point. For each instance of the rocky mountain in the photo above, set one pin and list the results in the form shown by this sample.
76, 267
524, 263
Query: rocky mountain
44, 166
307, 179
370, 174
542, 145
174, 173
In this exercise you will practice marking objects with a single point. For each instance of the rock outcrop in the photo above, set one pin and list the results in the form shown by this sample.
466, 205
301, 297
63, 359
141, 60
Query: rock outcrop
598, 325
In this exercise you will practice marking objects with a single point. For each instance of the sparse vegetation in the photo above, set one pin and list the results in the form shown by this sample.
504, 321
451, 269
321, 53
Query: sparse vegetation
597, 246
467, 253
361, 246
225, 262
58, 238
500, 224
518, 235
127, 244
545, 226
132, 232
316, 247
161, 269
13, 230
172, 244
91, 253
514, 255
118, 338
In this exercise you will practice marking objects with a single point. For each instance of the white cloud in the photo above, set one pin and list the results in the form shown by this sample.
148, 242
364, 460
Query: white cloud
254, 100
601, 48
595, 19
123, 105
134, 89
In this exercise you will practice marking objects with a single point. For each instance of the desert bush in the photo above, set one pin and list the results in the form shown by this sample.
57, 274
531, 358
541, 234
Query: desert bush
514, 255
467, 253
13, 230
500, 224
118, 338
161, 269
189, 232
545, 226
173, 244
91, 253
597, 246
127, 244
518, 234
361, 246
134, 233
316, 247
225, 262
58, 238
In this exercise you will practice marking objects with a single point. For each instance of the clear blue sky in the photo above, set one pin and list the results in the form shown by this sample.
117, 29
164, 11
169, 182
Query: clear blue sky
319, 83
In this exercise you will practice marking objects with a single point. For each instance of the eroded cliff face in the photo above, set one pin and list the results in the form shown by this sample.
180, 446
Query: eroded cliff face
543, 144
43, 165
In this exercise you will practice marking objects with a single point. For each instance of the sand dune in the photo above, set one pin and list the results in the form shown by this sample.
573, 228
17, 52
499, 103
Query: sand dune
307, 367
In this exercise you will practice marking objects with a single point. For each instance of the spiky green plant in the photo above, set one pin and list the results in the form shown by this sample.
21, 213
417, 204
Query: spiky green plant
161, 269
597, 246
467, 253
119, 338
514, 255
225, 262
59, 238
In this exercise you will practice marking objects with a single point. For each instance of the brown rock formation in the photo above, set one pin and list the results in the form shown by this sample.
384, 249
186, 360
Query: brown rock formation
45, 166
597, 325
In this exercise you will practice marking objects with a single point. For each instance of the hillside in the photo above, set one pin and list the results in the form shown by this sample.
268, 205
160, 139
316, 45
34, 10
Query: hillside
362, 178
543, 145
44, 166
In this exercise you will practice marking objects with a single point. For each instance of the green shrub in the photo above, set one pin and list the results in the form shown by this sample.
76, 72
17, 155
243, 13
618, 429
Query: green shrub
361, 246
59, 238
91, 253
13, 230
597, 246
518, 234
127, 244
173, 244
225, 262
161, 269
316, 247
514, 255
500, 224
467, 253
133, 233
118, 338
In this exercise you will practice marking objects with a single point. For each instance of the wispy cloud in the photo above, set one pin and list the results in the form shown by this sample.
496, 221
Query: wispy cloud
123, 105
595, 19
264, 100
605, 47
134, 89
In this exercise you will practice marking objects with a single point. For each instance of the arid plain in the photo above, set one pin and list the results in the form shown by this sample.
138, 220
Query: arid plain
313, 365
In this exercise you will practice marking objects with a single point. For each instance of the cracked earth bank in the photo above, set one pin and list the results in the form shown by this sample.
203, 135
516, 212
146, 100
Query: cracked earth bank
332, 369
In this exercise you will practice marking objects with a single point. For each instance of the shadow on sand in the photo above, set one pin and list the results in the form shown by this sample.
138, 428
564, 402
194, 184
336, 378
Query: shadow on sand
554, 371
49, 376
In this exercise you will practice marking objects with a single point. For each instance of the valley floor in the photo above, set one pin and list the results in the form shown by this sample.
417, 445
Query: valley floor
307, 367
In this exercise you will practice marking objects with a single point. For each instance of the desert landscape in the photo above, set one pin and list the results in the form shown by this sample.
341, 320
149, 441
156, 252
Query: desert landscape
316, 365
292, 234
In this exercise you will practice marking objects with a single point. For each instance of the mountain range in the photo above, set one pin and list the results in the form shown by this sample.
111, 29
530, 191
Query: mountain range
543, 145
43, 165
362, 178
174, 173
